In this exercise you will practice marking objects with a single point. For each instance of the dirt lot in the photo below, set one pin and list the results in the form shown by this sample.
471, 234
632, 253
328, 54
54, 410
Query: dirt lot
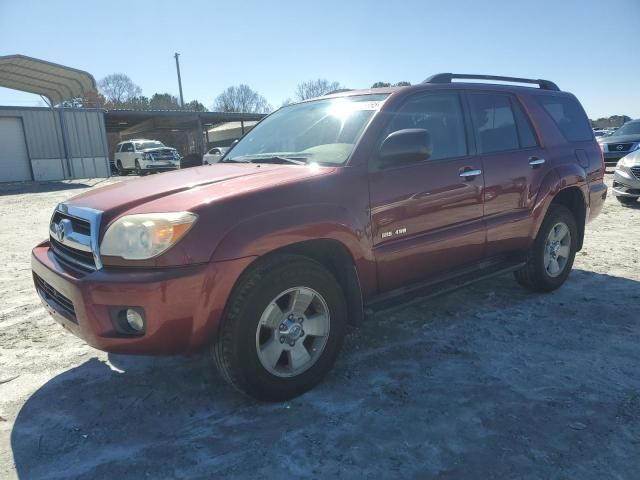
487, 382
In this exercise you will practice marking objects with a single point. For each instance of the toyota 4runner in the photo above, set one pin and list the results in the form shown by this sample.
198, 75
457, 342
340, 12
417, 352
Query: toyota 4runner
326, 209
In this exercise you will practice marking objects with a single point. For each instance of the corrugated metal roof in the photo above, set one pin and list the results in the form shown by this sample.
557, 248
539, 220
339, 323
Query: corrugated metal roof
55, 82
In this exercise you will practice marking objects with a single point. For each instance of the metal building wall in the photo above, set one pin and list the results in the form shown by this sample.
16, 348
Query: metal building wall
79, 150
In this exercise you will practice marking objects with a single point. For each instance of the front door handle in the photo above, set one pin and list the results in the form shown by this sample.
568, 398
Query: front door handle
535, 161
470, 173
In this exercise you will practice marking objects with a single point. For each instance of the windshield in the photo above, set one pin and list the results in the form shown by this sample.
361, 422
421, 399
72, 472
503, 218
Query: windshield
322, 131
631, 128
145, 145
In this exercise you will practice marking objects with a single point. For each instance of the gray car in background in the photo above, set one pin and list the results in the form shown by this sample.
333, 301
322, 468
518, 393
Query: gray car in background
626, 178
622, 142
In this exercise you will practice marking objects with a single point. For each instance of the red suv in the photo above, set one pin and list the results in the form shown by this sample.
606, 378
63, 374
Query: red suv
327, 207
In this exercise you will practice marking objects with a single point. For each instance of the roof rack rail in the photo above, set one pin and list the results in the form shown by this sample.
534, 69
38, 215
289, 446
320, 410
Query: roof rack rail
448, 77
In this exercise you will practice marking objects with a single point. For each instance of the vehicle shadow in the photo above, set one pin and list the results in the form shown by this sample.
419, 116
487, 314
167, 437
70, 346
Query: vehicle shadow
21, 188
486, 382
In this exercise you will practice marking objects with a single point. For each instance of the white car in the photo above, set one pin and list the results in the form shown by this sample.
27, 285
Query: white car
143, 156
214, 155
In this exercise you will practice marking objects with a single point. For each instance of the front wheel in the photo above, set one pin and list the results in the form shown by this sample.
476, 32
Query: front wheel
282, 329
139, 171
551, 256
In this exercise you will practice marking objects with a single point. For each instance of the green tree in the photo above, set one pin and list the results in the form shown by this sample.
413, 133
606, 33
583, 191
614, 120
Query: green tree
195, 106
387, 84
163, 101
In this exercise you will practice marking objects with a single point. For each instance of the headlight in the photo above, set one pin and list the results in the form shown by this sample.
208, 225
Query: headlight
625, 161
143, 236
635, 147
603, 146
146, 156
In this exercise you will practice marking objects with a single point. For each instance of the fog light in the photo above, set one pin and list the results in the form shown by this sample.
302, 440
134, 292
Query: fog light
135, 320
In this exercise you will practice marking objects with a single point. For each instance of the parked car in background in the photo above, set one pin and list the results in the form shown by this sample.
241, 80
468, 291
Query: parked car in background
328, 207
623, 141
142, 156
214, 155
626, 178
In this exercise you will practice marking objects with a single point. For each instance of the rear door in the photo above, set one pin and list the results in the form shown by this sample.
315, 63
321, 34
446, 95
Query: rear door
426, 217
514, 167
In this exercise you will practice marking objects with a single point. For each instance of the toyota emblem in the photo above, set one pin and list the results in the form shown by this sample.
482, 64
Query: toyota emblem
62, 228
619, 147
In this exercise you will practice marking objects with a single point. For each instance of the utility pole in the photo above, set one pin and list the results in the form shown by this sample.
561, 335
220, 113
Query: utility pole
179, 79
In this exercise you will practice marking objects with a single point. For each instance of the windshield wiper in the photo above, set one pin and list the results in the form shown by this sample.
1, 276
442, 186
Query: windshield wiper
234, 160
280, 159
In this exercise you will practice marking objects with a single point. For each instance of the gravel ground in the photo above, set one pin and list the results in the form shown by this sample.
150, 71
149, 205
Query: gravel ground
487, 382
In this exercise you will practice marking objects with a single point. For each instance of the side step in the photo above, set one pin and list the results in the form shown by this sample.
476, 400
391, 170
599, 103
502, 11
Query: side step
404, 296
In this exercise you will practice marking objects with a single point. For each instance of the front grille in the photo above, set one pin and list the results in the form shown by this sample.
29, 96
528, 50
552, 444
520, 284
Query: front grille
162, 155
619, 147
79, 225
636, 172
73, 257
54, 298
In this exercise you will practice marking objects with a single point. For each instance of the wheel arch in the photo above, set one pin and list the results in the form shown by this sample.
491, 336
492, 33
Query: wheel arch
333, 255
574, 199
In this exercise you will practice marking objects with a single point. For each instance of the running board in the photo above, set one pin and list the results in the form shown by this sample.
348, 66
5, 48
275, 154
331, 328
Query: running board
404, 296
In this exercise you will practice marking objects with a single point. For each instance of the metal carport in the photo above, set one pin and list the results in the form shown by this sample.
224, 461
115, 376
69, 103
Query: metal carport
50, 143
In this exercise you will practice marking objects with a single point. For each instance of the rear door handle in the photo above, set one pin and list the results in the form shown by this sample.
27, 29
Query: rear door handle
534, 161
470, 173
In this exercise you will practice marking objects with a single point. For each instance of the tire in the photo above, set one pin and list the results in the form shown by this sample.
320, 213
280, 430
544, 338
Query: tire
627, 200
121, 170
139, 171
243, 331
537, 275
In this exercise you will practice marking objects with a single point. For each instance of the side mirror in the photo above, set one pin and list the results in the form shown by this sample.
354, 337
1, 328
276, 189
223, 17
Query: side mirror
408, 145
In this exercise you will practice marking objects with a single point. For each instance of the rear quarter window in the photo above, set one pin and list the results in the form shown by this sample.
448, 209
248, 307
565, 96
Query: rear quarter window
568, 115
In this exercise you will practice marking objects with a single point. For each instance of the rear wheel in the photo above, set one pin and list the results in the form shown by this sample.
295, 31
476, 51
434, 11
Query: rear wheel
282, 329
627, 200
551, 256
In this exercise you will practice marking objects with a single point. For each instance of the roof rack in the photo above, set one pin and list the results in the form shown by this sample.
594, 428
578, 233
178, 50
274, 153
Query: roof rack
448, 77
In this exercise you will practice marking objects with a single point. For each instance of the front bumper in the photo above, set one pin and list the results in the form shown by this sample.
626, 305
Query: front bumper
625, 184
182, 305
159, 166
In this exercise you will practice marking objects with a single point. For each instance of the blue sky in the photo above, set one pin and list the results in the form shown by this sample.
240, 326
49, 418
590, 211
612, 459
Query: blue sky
590, 48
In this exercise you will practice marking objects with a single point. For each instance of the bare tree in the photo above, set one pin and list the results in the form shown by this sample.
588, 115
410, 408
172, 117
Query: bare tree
118, 88
315, 88
241, 99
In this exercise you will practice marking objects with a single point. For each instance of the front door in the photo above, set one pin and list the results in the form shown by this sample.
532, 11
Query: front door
427, 216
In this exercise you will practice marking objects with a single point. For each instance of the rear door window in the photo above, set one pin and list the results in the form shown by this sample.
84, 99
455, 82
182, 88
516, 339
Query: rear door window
494, 123
441, 115
568, 115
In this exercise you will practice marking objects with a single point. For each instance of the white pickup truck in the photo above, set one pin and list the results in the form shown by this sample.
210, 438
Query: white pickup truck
143, 156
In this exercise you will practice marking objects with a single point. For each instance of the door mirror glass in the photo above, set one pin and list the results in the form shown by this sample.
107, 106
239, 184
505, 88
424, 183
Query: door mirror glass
406, 146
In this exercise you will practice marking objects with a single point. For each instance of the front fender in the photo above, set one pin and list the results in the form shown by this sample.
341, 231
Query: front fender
269, 231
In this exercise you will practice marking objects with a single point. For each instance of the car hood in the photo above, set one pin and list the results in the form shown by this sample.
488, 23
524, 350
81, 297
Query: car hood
190, 188
619, 139
157, 149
